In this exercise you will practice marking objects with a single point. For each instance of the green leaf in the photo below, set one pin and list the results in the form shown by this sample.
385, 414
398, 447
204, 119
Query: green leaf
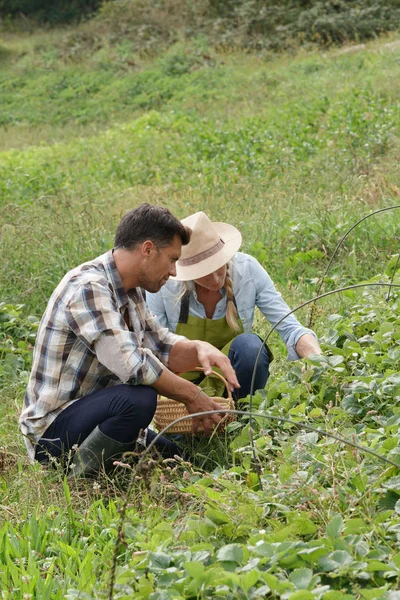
252, 481
316, 412
377, 565
298, 410
217, 517
392, 484
264, 549
248, 580
360, 482
285, 473
356, 526
335, 527
336, 595
304, 526
373, 593
230, 553
335, 561
159, 560
301, 595
335, 360
301, 578
194, 569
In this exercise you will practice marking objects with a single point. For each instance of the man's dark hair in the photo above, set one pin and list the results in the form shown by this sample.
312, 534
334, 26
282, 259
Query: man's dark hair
149, 222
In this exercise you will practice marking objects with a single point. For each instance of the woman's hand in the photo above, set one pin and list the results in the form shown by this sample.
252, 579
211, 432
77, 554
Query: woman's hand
307, 346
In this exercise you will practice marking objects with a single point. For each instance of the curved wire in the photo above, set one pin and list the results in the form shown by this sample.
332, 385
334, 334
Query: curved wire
311, 321
266, 416
330, 293
251, 414
302, 305
226, 411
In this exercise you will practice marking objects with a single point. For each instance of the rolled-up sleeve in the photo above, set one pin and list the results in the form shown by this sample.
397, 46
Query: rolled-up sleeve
274, 308
159, 339
93, 316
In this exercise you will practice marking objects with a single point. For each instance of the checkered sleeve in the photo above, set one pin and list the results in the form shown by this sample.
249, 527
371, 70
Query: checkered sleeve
93, 316
158, 338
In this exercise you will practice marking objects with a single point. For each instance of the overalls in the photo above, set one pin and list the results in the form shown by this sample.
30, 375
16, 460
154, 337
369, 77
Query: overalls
214, 331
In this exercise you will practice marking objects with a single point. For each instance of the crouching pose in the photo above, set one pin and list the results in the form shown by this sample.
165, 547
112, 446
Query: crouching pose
218, 289
101, 357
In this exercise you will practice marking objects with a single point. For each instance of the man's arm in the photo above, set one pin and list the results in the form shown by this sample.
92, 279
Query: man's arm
180, 354
166, 383
307, 345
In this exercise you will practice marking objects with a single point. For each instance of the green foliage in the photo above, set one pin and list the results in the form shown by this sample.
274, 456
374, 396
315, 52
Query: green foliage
293, 152
49, 11
251, 23
189, 122
17, 337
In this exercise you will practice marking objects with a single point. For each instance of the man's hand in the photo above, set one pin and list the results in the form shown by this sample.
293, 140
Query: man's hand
195, 400
201, 402
208, 357
186, 355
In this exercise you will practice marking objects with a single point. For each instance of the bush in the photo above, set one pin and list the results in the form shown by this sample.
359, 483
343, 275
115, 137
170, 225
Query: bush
251, 23
49, 11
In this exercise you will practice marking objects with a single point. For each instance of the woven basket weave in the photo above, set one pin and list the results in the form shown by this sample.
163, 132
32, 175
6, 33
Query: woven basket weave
168, 410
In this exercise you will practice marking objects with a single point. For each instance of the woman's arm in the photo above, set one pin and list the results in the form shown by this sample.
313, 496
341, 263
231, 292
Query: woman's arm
296, 337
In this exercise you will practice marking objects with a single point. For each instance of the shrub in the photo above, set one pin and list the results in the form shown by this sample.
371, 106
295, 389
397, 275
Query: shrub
251, 23
49, 11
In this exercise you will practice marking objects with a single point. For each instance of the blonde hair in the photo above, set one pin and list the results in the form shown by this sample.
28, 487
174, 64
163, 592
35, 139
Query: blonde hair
232, 316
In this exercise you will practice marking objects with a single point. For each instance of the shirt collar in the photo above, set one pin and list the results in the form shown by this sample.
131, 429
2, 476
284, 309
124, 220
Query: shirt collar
114, 278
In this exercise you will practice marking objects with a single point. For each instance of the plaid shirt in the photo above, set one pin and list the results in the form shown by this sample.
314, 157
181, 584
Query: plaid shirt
90, 304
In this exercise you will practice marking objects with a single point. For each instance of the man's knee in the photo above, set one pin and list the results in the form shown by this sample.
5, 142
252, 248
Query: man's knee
133, 401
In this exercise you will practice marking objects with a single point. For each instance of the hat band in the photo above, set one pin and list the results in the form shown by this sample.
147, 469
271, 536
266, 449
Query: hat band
193, 260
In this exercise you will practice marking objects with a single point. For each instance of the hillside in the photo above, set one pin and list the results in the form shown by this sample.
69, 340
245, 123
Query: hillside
292, 149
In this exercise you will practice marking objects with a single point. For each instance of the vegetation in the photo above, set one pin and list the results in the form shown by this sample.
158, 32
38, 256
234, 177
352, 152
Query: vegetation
275, 24
292, 150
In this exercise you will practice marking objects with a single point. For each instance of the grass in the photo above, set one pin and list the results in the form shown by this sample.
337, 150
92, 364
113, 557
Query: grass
292, 150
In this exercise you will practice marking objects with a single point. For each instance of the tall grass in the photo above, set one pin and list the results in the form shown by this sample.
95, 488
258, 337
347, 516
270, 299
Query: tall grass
292, 151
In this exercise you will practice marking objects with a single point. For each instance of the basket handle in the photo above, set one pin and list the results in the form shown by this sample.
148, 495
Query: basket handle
215, 374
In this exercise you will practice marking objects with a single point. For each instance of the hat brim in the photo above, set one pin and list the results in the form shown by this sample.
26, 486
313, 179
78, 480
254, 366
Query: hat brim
232, 239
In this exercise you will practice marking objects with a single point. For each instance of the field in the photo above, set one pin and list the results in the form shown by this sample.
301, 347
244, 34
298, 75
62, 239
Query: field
291, 149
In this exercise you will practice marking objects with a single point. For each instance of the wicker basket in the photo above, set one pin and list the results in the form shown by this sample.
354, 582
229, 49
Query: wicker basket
168, 410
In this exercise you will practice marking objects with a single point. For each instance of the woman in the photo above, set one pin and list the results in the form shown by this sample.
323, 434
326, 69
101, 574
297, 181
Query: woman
213, 297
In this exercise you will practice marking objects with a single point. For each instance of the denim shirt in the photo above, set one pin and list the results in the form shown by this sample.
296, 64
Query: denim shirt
252, 286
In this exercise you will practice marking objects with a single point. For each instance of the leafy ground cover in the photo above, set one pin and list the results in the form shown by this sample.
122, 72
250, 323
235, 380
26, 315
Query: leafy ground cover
292, 151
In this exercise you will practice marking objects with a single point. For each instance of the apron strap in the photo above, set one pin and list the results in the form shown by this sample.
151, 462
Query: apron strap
184, 312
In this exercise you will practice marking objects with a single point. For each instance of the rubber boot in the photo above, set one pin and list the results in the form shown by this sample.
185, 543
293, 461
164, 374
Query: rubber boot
96, 451
164, 446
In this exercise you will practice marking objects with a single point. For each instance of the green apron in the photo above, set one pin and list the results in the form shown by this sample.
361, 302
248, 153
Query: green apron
214, 331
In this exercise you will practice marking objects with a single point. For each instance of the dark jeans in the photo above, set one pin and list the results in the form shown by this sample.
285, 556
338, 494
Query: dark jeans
242, 354
120, 411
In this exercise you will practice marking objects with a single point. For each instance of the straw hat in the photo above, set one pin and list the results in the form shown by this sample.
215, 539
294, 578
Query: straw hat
211, 246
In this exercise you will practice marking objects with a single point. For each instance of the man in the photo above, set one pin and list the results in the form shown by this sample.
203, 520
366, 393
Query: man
101, 357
